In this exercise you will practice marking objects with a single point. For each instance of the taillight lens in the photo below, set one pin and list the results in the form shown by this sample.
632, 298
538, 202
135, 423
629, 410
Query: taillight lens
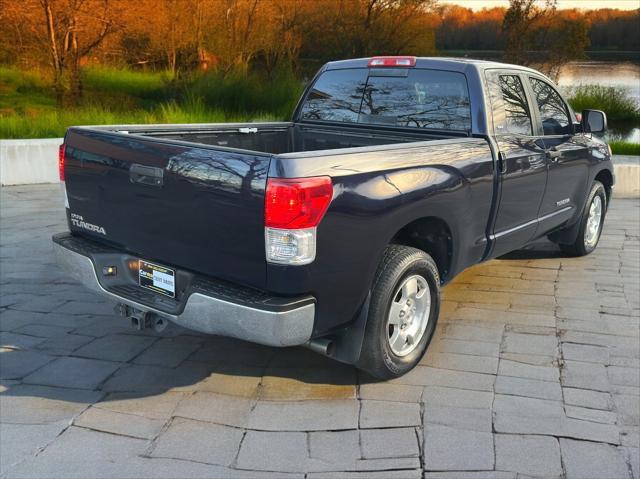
293, 209
297, 203
291, 247
61, 162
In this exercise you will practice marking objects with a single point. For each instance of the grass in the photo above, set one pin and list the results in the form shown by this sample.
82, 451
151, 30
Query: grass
22, 91
54, 123
624, 148
247, 93
138, 84
113, 96
615, 102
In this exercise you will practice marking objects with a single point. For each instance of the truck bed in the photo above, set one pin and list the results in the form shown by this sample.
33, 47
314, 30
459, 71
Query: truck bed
278, 138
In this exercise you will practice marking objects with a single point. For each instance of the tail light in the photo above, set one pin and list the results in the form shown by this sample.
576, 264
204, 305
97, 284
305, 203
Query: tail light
297, 203
61, 153
293, 210
61, 161
392, 62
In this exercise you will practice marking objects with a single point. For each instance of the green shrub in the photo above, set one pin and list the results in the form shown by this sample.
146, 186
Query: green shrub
624, 148
615, 102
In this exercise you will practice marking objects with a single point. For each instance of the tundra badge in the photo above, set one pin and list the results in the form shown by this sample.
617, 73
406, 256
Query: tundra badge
78, 221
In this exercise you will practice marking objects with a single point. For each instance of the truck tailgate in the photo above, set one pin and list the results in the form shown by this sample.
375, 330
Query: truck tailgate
192, 206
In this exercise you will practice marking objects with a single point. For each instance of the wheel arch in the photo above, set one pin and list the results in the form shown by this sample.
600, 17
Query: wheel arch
605, 177
569, 234
434, 236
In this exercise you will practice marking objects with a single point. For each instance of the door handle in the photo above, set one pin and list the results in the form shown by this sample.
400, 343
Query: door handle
553, 155
146, 175
502, 162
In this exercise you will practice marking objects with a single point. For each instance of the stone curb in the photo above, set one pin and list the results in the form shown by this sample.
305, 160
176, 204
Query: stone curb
627, 171
28, 162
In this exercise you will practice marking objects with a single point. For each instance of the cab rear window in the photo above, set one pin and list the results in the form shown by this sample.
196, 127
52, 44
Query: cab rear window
415, 98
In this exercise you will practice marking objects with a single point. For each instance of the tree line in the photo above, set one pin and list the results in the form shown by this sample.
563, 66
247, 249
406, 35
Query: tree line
235, 36
461, 28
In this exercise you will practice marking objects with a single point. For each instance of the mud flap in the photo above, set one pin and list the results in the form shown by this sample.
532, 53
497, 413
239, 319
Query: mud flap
348, 341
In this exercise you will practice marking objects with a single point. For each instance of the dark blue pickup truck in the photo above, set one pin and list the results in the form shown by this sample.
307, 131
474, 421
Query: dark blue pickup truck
335, 230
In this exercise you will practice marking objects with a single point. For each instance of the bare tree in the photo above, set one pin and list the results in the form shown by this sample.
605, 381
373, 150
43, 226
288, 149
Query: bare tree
535, 35
73, 28
236, 35
518, 27
353, 28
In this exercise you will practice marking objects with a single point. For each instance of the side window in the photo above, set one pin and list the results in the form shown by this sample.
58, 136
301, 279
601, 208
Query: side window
511, 112
553, 111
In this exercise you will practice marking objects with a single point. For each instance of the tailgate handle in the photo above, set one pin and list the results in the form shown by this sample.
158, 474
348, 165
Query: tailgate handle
146, 175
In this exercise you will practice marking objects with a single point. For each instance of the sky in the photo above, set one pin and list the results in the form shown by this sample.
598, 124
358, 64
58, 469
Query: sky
586, 4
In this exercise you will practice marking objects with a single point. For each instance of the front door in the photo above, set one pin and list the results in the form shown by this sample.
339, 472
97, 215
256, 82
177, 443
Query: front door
567, 157
522, 163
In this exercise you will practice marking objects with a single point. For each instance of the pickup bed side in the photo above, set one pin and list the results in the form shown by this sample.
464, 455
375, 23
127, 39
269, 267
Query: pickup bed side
379, 195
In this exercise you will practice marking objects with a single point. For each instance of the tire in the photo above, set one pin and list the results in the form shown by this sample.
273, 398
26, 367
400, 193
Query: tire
588, 236
393, 287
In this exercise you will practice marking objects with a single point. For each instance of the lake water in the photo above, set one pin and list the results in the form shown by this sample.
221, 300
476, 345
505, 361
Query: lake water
616, 74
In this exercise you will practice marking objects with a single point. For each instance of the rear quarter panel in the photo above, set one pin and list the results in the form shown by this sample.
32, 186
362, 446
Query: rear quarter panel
376, 193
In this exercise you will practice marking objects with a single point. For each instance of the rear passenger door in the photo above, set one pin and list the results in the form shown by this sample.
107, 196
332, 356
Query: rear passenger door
567, 156
522, 168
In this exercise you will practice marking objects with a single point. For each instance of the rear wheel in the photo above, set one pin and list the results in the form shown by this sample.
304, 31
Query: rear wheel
405, 302
591, 223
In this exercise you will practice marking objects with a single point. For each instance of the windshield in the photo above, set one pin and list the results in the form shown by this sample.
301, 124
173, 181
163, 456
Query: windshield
417, 98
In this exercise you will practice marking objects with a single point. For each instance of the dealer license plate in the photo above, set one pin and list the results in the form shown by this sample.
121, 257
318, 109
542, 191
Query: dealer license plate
157, 278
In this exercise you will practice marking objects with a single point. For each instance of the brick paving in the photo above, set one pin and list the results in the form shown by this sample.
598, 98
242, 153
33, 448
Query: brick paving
533, 372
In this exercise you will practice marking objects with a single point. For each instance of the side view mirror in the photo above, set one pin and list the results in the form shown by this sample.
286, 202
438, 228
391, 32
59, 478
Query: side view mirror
594, 121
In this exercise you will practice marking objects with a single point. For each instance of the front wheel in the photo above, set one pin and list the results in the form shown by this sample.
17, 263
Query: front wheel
591, 223
404, 308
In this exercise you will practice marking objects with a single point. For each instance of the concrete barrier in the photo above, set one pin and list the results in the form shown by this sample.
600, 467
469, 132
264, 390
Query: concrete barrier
627, 170
24, 162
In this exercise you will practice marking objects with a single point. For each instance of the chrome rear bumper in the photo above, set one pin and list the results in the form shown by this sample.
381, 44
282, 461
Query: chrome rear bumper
287, 326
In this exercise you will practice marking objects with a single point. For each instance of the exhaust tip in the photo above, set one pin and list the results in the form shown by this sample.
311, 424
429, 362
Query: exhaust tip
331, 348
321, 346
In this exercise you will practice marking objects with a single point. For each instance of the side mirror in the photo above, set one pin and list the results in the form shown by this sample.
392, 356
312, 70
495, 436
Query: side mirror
594, 121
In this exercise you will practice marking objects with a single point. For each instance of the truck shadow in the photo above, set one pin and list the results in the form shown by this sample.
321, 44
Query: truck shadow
541, 249
216, 365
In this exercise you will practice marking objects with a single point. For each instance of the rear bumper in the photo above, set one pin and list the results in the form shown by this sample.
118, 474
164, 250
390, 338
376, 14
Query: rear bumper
204, 305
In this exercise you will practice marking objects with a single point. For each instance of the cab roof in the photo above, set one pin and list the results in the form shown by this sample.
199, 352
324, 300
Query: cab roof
438, 63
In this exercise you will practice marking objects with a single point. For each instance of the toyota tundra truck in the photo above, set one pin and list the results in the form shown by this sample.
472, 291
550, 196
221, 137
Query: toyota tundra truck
335, 230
